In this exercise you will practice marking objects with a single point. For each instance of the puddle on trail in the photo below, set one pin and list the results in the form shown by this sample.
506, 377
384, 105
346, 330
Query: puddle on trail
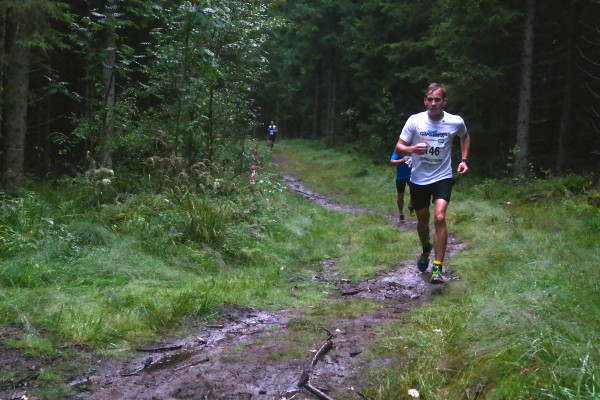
171, 359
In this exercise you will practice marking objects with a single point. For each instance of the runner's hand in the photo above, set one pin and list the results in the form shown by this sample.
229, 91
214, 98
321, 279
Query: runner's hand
420, 148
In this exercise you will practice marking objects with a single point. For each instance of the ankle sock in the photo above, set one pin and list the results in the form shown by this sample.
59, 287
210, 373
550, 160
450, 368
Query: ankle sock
427, 249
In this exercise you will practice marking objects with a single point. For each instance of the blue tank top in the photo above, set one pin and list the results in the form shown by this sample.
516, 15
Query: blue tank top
402, 169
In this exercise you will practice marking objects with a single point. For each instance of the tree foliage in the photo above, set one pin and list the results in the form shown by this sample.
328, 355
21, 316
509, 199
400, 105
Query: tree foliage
142, 79
387, 51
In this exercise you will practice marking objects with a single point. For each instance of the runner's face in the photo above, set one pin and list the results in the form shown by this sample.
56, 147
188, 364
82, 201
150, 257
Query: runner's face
435, 103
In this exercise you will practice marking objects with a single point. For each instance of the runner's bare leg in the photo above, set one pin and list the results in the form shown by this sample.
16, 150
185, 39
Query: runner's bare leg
441, 231
423, 225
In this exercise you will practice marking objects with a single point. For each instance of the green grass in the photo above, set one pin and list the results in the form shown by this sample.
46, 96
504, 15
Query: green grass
113, 276
521, 323
345, 176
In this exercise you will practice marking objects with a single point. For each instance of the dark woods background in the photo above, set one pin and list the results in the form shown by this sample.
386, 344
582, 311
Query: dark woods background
113, 84
353, 72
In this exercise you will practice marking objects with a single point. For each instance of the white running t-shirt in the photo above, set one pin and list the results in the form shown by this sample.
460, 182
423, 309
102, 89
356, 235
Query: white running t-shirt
436, 164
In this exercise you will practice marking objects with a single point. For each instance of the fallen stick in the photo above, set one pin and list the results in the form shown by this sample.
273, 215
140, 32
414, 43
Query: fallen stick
304, 381
192, 364
316, 392
322, 351
156, 349
132, 373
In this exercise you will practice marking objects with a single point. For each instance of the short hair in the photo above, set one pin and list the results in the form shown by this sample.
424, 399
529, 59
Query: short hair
432, 87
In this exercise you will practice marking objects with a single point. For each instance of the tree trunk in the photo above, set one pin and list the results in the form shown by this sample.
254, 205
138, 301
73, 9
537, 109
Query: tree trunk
567, 102
210, 129
524, 115
331, 109
2, 50
315, 113
15, 106
181, 94
316, 102
109, 88
596, 181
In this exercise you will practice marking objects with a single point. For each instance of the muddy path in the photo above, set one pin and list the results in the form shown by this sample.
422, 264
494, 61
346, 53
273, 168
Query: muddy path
233, 358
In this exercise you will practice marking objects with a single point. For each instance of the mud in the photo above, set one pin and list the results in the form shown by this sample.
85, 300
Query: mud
232, 358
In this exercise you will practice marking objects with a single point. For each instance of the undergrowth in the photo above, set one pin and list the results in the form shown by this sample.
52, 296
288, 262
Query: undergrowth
115, 264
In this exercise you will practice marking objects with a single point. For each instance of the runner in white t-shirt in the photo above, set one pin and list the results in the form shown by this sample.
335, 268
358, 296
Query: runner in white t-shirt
428, 136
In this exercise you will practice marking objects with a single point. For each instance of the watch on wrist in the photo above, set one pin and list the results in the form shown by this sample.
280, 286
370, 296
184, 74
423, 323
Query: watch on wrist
466, 161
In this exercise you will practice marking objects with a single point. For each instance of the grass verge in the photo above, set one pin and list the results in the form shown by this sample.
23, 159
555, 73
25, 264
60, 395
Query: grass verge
523, 321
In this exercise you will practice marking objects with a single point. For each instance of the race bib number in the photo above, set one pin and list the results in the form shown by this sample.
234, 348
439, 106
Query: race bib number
436, 151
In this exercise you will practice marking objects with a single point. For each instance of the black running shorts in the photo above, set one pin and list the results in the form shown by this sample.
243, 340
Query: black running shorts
401, 185
423, 195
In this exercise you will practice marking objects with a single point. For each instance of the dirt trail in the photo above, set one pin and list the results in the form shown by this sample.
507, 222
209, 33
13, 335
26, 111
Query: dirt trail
232, 358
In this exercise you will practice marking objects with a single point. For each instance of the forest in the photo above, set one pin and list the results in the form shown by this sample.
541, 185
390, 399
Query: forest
142, 210
113, 84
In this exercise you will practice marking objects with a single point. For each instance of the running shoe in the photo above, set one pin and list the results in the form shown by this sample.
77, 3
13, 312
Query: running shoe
423, 261
436, 275
402, 218
411, 210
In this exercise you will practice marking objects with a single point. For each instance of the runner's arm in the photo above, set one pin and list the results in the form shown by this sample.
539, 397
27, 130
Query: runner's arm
399, 160
405, 148
465, 143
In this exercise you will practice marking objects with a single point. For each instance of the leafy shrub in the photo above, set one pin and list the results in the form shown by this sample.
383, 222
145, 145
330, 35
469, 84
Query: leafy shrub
28, 223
